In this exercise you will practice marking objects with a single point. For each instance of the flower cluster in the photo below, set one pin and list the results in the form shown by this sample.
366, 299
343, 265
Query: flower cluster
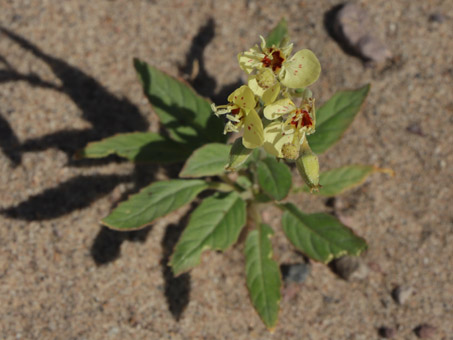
265, 108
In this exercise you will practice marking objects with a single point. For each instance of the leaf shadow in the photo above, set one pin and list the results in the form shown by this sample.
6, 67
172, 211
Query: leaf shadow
106, 246
107, 113
76, 193
177, 289
203, 82
9, 142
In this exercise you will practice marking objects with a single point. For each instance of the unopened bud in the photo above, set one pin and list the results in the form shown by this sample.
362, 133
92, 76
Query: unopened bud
290, 151
308, 166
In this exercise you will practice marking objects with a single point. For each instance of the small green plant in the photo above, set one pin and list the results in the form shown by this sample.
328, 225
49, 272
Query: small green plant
276, 112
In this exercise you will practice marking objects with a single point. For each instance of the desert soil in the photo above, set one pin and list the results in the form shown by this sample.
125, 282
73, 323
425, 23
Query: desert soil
66, 78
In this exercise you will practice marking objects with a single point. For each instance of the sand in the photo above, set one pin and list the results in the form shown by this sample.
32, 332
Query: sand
66, 78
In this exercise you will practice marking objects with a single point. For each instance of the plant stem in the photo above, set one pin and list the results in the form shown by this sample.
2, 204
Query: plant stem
254, 213
223, 187
226, 179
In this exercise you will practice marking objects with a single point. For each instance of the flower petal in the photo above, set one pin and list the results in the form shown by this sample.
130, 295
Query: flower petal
267, 95
275, 138
279, 108
301, 70
271, 94
250, 60
243, 97
256, 89
253, 130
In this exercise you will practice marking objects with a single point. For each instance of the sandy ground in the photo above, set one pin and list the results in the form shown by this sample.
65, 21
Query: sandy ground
66, 78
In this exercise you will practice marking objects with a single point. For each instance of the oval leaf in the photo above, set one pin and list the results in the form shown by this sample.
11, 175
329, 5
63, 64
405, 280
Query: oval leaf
263, 275
209, 160
215, 224
320, 236
276, 36
187, 116
337, 181
155, 200
137, 147
274, 178
335, 116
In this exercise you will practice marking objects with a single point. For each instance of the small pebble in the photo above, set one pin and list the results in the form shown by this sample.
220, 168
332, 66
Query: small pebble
296, 272
387, 332
437, 17
402, 294
425, 331
352, 25
416, 129
350, 268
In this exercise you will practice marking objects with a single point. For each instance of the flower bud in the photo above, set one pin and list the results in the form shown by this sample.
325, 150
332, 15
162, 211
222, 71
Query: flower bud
308, 166
290, 151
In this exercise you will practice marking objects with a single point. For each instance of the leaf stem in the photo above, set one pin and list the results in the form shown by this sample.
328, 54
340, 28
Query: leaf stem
254, 213
220, 186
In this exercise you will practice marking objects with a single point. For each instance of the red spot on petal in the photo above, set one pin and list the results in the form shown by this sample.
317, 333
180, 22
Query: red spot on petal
300, 65
248, 127
242, 98
273, 60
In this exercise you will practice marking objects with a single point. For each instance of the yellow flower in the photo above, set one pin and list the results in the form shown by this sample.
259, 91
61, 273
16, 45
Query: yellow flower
240, 113
300, 70
283, 137
265, 86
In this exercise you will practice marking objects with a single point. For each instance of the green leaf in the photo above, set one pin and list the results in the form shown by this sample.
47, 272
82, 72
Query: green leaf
278, 34
238, 155
263, 275
209, 160
215, 224
244, 182
339, 180
320, 236
335, 116
137, 147
274, 178
187, 116
155, 200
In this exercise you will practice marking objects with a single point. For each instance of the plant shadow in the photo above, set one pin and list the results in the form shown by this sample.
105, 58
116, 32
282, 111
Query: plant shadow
195, 71
177, 289
108, 115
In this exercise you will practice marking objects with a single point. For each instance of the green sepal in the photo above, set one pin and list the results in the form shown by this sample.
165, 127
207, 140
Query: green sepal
238, 155
308, 166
